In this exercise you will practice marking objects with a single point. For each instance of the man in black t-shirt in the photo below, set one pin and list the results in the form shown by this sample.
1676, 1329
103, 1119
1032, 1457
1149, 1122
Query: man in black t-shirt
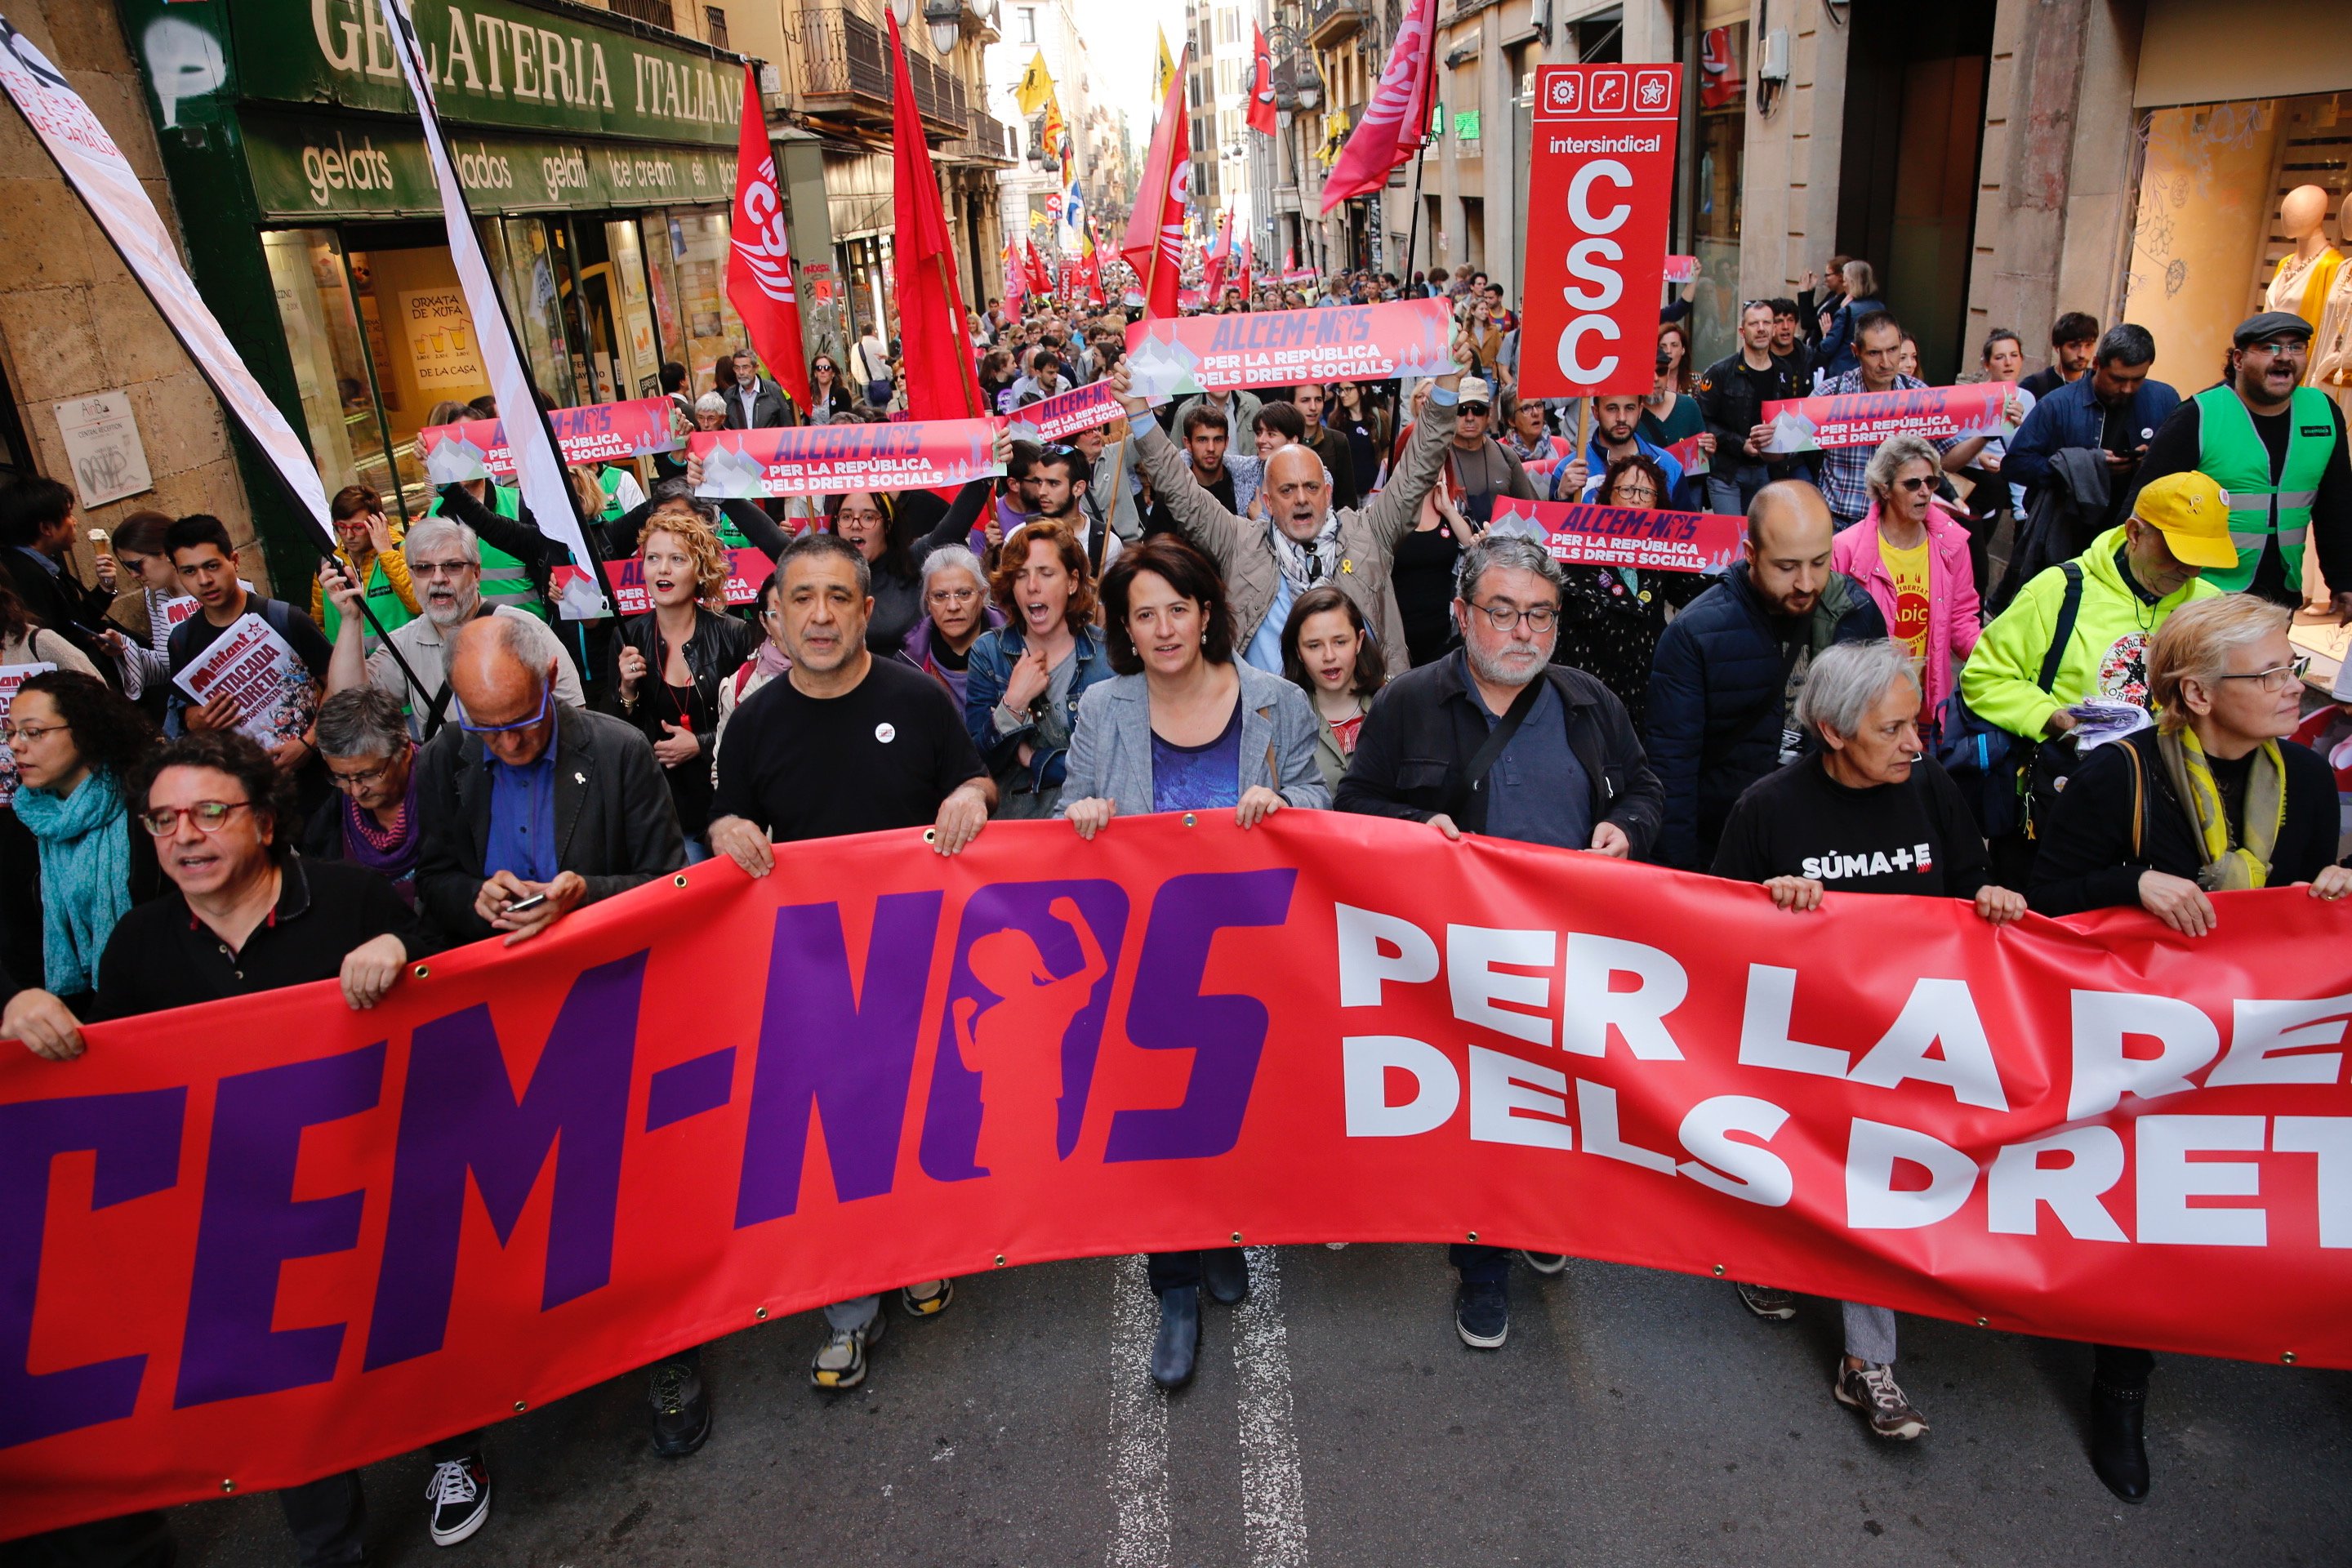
1869, 813
844, 743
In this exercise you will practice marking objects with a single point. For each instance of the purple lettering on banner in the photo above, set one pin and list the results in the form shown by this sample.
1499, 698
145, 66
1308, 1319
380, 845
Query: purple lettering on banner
136, 1139
1022, 971
845, 1051
1167, 1012
692, 1086
253, 1224
459, 1113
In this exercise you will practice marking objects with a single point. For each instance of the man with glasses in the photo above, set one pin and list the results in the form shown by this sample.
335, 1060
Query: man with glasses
1732, 393
2276, 448
445, 563
1494, 738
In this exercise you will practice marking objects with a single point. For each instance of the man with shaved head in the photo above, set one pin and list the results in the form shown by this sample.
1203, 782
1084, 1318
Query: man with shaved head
1724, 682
1305, 541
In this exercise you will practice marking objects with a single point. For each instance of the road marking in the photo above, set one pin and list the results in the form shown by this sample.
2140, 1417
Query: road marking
1139, 1424
1274, 1494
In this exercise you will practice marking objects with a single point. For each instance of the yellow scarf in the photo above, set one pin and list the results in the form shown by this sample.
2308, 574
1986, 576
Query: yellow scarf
2248, 866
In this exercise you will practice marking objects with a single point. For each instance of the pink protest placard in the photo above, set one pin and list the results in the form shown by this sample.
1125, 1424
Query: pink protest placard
13, 676
1065, 414
828, 459
747, 568
1866, 418
1681, 269
598, 433
1623, 536
1283, 348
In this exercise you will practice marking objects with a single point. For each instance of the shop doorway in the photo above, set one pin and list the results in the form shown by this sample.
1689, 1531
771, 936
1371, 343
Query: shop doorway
1915, 100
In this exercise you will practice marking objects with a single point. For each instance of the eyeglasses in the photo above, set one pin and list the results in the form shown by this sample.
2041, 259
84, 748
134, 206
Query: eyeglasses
952, 595
1477, 410
2278, 677
28, 733
441, 568
209, 816
365, 777
1923, 482
546, 703
1540, 619
1634, 492
847, 516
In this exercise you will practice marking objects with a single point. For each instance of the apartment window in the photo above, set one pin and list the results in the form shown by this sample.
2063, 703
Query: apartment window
714, 18
1229, 27
655, 12
1027, 18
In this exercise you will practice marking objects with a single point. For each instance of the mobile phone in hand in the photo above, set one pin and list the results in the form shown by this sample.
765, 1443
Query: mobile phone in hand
524, 906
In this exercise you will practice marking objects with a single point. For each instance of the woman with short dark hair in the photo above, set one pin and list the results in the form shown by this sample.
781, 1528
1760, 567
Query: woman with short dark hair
1327, 653
1184, 727
370, 758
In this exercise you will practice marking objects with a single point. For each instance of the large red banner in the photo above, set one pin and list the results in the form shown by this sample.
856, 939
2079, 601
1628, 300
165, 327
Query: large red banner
251, 1242
1171, 356
1866, 418
1600, 180
828, 459
1651, 541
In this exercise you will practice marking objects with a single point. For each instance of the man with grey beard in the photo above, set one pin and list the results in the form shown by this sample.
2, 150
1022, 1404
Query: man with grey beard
445, 563
1532, 751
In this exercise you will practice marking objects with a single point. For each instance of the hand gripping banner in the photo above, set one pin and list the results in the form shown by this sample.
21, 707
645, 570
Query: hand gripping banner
249, 1243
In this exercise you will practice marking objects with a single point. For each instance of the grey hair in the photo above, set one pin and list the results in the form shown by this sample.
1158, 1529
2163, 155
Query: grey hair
426, 532
365, 722
678, 492
952, 558
710, 402
1862, 280
1892, 456
1847, 681
1512, 551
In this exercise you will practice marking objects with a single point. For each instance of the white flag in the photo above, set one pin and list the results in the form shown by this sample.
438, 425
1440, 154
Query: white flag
97, 169
539, 471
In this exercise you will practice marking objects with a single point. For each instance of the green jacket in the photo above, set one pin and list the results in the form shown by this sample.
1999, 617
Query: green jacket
2106, 657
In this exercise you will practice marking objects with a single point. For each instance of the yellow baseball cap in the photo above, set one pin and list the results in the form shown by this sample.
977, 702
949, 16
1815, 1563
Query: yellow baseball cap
2194, 516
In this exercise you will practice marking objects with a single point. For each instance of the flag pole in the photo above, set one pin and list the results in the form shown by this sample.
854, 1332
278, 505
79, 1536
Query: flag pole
1412, 224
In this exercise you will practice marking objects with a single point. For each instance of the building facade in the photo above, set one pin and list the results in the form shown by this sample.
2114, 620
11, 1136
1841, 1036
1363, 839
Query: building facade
1039, 202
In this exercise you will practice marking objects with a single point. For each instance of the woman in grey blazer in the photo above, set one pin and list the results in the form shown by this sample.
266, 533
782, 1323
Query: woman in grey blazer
1184, 727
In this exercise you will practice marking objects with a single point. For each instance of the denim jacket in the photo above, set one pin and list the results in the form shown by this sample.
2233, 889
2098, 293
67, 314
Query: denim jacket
992, 658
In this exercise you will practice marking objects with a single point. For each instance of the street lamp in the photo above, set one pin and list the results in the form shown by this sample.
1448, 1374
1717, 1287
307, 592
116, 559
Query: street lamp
945, 18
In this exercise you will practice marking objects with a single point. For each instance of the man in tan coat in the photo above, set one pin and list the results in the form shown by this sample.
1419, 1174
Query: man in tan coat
1303, 541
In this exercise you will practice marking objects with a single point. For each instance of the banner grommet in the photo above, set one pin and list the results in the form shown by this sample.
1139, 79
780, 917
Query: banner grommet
421, 971
1983, 1322
1718, 1271
1237, 1238
759, 1314
1190, 819
679, 881
229, 1486
2287, 1357
1000, 1260
1474, 1236
522, 1406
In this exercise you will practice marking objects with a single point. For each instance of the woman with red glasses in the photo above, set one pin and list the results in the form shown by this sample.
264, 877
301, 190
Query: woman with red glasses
1911, 552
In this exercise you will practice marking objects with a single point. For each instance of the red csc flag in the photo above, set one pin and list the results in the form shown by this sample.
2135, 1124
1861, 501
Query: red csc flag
1600, 178
759, 257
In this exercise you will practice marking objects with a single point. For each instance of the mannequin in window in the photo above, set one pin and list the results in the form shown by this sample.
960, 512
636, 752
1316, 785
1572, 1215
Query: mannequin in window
2306, 273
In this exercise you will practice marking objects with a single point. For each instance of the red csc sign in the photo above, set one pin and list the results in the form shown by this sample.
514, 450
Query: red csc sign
1599, 184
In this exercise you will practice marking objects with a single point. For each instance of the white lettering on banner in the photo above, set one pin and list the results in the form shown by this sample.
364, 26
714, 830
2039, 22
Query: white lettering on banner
2330, 1138
2261, 1031
1764, 1039
2104, 1074
1571, 362
1588, 1005
1517, 1101
2168, 1179
1580, 197
1366, 1061
1732, 1166
1471, 954
1363, 965
1873, 1201
2018, 1181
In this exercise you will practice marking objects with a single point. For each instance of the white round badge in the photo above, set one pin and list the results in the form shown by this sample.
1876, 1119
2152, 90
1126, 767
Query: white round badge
886, 734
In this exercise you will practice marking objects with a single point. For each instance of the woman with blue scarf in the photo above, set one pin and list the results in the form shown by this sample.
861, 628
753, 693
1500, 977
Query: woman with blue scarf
73, 741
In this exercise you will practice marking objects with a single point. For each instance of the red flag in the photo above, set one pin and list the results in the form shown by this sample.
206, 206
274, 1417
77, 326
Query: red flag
1154, 244
1017, 286
1249, 260
1090, 266
1219, 255
758, 256
1041, 280
1396, 119
1260, 103
1289, 263
931, 327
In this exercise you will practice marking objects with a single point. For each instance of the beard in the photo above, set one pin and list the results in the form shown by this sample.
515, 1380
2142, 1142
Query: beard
1516, 671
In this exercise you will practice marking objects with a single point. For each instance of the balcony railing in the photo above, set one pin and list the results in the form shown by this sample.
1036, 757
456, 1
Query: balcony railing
843, 58
985, 141
1332, 21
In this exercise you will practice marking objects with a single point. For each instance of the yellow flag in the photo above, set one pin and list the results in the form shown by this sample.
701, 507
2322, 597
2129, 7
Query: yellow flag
1167, 69
1036, 85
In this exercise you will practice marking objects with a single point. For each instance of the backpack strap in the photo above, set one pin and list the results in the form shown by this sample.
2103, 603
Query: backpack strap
2139, 794
2069, 609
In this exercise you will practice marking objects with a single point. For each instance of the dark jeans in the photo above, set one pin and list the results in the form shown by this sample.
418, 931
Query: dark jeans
2121, 1368
1176, 1270
1480, 1264
1729, 489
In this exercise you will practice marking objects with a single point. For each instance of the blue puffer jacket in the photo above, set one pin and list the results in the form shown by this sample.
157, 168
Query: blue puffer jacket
1715, 704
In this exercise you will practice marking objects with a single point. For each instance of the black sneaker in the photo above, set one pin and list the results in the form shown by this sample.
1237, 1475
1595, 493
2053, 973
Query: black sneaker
1482, 1314
459, 1496
1772, 1305
1873, 1391
681, 1409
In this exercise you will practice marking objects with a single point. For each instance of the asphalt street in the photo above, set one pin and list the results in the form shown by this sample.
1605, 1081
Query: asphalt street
1634, 1417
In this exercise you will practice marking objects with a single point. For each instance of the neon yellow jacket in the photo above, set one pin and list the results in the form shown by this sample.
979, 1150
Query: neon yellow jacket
2106, 657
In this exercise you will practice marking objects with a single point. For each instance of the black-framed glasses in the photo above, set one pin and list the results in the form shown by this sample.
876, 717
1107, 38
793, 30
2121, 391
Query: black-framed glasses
546, 705
28, 733
1504, 617
2278, 677
364, 778
209, 816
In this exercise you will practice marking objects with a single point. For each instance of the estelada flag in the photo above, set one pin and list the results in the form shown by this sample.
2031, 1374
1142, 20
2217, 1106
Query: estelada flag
1154, 243
941, 383
759, 254
1261, 103
1396, 119
1036, 86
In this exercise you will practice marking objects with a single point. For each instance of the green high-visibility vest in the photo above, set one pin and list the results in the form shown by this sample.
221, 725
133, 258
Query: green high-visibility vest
2231, 452
505, 579
610, 480
382, 598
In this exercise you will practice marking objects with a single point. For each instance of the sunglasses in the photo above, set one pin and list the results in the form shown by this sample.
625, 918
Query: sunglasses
1925, 482
1478, 409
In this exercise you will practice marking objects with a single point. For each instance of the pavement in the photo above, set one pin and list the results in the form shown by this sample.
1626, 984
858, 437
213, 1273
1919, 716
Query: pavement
1634, 1417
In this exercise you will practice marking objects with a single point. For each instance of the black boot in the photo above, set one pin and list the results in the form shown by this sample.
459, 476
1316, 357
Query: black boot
2119, 1440
1173, 1351
1224, 1270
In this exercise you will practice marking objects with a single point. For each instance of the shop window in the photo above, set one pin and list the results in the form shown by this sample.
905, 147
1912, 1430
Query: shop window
698, 248
325, 327
532, 275
661, 277
1715, 216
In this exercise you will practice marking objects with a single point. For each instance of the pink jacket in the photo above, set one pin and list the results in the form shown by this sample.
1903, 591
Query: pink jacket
1954, 614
